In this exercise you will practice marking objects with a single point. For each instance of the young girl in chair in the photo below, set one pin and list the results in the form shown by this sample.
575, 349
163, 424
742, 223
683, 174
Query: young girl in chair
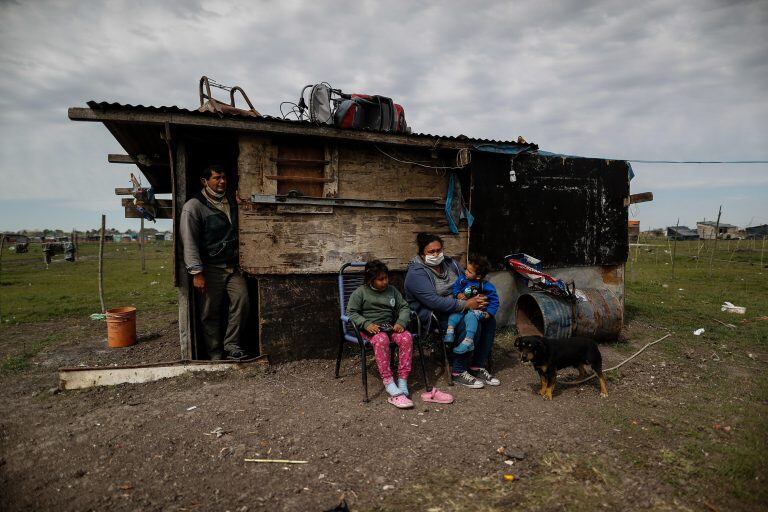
381, 313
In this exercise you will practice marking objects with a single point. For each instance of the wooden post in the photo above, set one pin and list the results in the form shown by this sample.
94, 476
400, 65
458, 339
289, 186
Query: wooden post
674, 250
762, 250
101, 263
714, 245
142, 248
187, 313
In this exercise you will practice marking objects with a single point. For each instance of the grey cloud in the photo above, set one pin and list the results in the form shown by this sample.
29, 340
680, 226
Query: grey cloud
645, 80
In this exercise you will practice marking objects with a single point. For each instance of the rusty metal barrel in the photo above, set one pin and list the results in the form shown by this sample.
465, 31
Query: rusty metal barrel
600, 316
541, 314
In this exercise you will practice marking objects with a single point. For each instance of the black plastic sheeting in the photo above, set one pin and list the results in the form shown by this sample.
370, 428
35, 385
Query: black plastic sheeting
564, 211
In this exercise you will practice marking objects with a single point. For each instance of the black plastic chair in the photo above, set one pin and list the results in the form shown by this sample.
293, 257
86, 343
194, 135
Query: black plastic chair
349, 333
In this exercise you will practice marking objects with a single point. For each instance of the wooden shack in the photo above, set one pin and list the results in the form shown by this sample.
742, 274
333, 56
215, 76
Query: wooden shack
313, 197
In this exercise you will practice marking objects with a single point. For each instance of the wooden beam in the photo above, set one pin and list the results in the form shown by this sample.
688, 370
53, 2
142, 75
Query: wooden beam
261, 125
120, 159
139, 160
160, 213
186, 293
304, 179
124, 191
82, 378
642, 197
161, 203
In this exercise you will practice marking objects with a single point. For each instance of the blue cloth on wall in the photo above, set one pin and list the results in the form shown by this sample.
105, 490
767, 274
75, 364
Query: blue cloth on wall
464, 213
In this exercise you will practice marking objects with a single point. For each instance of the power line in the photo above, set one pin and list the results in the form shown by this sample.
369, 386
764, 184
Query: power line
699, 161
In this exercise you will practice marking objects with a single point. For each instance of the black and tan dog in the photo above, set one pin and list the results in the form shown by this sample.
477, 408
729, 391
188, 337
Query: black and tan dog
550, 355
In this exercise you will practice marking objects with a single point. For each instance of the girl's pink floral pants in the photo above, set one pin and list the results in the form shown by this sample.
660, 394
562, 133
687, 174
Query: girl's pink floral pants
404, 342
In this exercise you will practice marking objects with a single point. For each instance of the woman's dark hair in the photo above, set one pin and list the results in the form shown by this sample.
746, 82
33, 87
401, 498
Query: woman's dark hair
373, 268
207, 171
481, 264
424, 239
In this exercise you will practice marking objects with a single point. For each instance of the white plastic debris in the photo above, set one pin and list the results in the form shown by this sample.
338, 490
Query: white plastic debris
730, 308
698, 332
192, 408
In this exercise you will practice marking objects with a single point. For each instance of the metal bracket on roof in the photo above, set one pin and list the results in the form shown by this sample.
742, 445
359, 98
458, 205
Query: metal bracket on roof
210, 104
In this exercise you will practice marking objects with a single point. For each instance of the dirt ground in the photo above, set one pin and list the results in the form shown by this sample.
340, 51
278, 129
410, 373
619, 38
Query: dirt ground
143, 447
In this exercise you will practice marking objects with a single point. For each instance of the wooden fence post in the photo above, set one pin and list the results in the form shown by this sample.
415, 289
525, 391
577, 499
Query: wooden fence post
101, 263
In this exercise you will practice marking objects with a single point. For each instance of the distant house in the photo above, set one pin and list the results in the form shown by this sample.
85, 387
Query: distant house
681, 233
655, 233
15, 238
167, 235
706, 229
759, 232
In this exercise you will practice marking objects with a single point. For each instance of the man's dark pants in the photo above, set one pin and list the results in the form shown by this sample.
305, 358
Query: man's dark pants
220, 284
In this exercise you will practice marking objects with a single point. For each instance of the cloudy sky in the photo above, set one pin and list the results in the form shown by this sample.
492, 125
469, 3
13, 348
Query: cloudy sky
647, 80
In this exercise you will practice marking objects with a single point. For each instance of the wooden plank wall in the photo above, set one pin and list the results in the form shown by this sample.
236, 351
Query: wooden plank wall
299, 316
285, 240
294, 251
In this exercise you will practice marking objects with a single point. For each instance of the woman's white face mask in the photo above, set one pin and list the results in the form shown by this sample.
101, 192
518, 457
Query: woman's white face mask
434, 260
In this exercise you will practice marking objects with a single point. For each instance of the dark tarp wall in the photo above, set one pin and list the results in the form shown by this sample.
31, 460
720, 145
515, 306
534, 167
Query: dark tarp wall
565, 211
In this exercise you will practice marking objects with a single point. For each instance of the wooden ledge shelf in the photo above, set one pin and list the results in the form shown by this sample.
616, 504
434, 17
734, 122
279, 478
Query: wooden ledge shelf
304, 179
408, 204
299, 162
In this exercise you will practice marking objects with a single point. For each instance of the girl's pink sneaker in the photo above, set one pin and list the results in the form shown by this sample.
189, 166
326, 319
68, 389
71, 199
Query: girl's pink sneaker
437, 397
400, 401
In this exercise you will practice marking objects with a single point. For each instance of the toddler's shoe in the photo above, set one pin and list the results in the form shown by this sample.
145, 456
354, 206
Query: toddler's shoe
400, 401
465, 346
448, 338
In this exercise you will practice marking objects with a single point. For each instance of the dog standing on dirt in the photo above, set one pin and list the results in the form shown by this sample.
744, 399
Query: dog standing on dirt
550, 355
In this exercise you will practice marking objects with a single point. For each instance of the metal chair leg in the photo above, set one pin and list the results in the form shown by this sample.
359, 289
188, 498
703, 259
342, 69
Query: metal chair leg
447, 364
364, 369
427, 387
341, 352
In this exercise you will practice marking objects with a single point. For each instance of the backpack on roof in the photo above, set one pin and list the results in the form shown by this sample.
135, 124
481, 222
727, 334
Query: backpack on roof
372, 112
327, 105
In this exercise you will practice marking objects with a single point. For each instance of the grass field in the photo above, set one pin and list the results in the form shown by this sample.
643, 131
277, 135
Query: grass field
30, 292
690, 434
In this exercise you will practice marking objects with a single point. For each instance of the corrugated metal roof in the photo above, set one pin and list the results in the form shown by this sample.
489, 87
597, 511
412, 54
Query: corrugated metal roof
173, 109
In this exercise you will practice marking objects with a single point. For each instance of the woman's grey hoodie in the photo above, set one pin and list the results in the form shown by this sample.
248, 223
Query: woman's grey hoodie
421, 294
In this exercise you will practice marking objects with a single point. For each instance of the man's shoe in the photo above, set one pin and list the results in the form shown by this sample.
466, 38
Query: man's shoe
485, 376
465, 379
236, 355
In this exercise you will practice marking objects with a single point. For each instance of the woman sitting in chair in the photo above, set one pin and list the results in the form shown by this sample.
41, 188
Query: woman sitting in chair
428, 289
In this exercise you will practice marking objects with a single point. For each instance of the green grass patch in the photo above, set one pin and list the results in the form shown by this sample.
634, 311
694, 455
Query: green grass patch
30, 292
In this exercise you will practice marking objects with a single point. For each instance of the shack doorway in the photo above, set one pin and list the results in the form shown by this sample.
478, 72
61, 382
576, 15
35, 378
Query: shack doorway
201, 152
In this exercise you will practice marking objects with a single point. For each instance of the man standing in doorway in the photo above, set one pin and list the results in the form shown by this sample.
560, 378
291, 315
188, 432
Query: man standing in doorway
208, 228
